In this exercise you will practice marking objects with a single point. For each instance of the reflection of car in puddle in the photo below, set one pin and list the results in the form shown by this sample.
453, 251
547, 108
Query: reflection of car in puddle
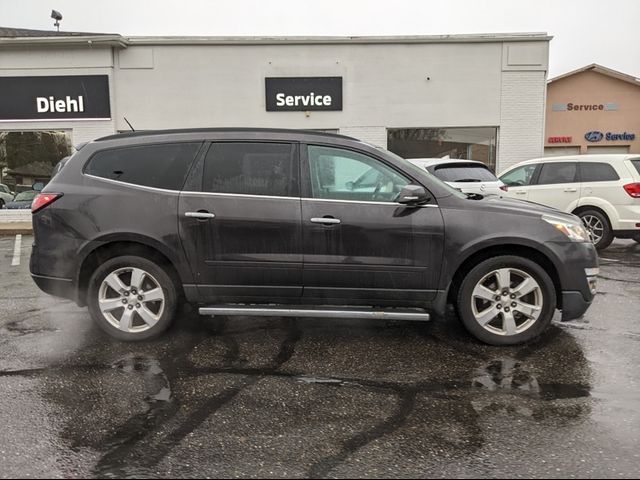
506, 374
156, 382
510, 386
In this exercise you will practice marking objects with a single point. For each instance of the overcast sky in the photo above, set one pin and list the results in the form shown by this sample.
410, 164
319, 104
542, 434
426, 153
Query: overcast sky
585, 31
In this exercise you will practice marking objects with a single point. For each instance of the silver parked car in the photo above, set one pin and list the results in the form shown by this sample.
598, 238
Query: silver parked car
5, 195
468, 176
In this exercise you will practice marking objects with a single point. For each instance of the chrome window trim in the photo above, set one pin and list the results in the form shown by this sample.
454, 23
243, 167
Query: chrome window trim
134, 185
243, 195
364, 202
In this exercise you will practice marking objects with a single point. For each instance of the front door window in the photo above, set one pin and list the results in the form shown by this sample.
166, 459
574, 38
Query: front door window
339, 174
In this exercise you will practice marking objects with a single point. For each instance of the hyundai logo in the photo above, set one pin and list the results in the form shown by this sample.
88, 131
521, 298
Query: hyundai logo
594, 136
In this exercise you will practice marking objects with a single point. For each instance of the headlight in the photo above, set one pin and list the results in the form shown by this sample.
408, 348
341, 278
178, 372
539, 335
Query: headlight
575, 231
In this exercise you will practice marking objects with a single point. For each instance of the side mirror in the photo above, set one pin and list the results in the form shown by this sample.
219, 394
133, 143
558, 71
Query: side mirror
350, 186
413, 195
38, 186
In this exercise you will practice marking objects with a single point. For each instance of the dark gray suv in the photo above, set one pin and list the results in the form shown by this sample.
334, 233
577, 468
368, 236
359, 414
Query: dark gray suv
272, 222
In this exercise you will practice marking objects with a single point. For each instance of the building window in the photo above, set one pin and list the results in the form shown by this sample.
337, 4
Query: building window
477, 143
31, 154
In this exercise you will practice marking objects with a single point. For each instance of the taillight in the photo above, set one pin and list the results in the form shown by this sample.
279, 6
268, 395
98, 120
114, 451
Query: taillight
633, 189
44, 200
504, 188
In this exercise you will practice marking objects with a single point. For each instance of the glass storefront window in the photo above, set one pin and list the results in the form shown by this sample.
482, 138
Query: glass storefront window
473, 143
27, 157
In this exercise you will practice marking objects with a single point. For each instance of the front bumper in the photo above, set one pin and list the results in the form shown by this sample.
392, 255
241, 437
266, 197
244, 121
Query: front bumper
577, 267
574, 305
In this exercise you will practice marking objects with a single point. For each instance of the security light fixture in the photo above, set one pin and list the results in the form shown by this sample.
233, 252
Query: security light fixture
57, 16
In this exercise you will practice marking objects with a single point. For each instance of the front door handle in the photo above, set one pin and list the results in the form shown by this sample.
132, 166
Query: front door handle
570, 190
326, 220
200, 215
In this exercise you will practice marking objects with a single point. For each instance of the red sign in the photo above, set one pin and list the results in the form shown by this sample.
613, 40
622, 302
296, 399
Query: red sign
559, 140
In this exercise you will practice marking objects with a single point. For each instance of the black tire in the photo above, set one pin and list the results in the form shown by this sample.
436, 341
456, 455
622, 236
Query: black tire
465, 295
607, 235
636, 237
159, 275
1, 203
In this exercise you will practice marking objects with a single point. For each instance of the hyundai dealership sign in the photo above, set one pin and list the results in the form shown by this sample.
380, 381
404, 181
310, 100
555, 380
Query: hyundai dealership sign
596, 136
70, 97
303, 94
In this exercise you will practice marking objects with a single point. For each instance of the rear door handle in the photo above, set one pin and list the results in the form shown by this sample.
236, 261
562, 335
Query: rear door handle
521, 192
326, 220
200, 215
570, 190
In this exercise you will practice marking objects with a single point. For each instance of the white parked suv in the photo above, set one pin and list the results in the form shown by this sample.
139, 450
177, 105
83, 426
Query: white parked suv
468, 176
603, 190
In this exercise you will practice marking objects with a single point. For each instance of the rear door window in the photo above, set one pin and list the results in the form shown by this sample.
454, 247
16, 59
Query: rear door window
558, 172
160, 166
597, 172
269, 169
464, 173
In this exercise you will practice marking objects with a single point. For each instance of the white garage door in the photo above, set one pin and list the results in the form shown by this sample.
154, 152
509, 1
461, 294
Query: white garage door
608, 149
556, 151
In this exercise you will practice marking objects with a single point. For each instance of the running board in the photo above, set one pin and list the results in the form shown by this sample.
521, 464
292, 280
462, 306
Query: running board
327, 312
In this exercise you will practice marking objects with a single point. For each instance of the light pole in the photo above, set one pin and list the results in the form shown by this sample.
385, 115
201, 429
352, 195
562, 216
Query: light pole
57, 16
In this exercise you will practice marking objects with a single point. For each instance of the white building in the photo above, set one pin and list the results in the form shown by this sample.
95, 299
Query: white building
469, 96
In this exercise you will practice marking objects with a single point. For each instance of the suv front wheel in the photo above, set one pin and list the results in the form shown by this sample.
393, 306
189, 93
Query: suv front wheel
506, 300
131, 298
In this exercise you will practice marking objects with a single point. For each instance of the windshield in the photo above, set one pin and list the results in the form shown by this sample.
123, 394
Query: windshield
26, 196
464, 173
4, 189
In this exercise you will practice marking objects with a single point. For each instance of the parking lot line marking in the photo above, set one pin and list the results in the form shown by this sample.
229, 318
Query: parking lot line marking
17, 246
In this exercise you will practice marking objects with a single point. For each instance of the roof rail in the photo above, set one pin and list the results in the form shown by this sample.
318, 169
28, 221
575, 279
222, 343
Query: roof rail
144, 133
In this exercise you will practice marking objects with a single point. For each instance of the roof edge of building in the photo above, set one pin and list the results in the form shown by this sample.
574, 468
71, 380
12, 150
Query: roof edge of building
125, 41
599, 69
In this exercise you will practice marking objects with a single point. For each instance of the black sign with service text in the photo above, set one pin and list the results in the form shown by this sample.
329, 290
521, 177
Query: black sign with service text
301, 94
55, 98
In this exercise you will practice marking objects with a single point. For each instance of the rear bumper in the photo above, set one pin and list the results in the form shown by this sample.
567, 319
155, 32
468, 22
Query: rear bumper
58, 287
626, 233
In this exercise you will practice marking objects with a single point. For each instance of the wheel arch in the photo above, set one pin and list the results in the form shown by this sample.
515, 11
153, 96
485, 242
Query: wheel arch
474, 258
591, 206
106, 250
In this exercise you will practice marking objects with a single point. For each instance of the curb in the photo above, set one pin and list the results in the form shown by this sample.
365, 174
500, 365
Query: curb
15, 231
16, 228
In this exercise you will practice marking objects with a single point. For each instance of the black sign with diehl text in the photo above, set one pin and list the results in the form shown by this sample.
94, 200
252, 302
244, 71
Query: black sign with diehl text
55, 98
301, 94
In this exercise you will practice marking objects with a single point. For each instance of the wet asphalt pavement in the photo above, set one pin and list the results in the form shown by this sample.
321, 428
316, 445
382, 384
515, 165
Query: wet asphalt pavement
247, 397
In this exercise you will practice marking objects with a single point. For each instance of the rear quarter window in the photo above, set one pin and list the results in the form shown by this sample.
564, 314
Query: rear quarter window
160, 166
597, 172
636, 163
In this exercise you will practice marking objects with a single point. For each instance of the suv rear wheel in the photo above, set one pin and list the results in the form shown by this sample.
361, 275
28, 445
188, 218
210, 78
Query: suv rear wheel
636, 237
598, 227
506, 300
131, 298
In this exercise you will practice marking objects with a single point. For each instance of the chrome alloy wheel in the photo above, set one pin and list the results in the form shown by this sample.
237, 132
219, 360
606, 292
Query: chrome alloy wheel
594, 226
131, 300
507, 301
